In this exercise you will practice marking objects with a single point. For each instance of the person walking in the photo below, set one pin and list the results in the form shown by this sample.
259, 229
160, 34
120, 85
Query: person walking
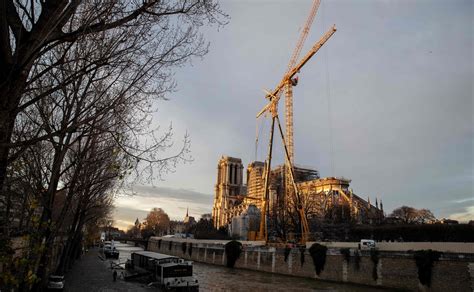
115, 275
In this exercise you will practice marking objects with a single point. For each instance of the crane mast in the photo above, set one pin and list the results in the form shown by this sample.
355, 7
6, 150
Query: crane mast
288, 85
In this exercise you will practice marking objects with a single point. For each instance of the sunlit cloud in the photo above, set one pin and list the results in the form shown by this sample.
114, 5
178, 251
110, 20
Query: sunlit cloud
174, 202
465, 216
122, 224
464, 200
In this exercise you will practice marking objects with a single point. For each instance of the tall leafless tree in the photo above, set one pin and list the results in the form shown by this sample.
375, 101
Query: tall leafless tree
77, 84
32, 30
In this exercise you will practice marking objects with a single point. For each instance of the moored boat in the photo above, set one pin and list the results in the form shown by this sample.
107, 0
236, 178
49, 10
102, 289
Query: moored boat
170, 272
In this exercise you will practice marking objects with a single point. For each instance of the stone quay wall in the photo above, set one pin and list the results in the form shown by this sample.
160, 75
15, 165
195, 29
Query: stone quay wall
395, 269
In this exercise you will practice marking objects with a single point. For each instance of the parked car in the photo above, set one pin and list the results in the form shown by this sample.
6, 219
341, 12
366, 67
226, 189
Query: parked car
56, 283
111, 252
367, 243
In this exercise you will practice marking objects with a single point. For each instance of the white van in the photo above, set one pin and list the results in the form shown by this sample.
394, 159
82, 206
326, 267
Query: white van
367, 243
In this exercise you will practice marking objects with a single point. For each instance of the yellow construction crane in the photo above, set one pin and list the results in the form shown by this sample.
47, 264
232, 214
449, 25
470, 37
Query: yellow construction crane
288, 87
287, 82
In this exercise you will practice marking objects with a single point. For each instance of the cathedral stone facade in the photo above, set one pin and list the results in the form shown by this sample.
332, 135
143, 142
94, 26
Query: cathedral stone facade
323, 198
229, 189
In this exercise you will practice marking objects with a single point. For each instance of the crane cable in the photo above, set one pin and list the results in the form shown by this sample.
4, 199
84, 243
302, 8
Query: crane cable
328, 95
257, 133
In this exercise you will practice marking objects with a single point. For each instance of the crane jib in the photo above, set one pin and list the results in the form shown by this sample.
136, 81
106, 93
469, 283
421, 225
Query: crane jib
306, 58
298, 67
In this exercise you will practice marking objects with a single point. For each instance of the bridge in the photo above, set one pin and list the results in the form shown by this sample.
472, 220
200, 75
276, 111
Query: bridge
136, 241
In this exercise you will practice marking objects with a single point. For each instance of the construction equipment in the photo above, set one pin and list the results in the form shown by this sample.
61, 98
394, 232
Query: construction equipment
294, 81
288, 81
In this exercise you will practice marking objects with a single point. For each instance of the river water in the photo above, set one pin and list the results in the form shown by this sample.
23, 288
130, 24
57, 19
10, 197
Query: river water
220, 278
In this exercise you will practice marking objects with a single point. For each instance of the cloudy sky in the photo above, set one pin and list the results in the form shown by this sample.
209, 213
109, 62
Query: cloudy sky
387, 102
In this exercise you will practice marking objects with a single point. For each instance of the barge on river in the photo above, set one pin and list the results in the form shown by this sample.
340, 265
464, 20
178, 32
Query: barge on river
170, 272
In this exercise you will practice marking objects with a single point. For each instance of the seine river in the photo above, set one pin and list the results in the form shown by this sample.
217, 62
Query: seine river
220, 278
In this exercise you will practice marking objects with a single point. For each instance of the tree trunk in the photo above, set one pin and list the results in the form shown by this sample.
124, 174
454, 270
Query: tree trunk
63, 264
45, 230
76, 243
10, 95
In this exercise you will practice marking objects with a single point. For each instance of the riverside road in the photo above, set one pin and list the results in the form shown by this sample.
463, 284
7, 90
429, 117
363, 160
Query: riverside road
93, 273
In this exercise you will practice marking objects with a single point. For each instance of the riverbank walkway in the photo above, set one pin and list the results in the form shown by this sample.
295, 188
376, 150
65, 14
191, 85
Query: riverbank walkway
91, 274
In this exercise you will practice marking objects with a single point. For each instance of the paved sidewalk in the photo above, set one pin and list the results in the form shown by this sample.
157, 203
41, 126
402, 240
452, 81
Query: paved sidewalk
91, 274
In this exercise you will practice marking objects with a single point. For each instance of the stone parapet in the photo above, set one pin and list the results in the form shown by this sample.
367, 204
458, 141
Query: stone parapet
395, 269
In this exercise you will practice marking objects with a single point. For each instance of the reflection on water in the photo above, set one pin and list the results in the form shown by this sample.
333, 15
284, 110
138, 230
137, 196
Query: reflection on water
220, 278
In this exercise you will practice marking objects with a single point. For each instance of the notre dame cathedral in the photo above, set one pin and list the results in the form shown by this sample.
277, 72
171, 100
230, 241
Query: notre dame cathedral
328, 198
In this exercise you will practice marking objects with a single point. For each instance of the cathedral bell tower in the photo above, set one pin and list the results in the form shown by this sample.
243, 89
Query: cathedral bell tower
229, 185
